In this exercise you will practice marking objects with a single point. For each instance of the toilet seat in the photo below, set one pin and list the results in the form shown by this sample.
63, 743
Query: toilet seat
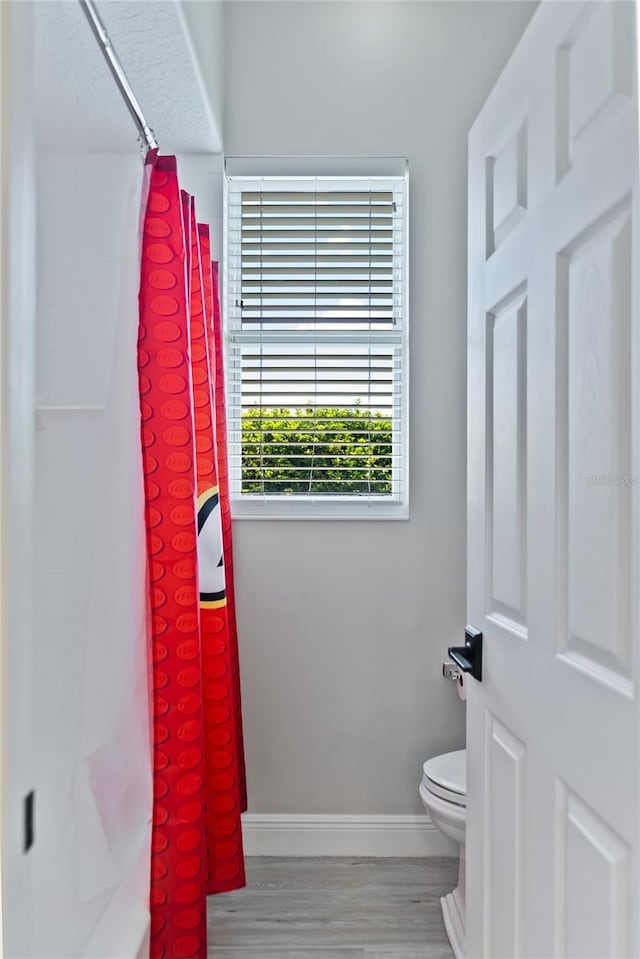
445, 776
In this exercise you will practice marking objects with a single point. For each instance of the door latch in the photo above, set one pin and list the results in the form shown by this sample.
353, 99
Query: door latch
469, 656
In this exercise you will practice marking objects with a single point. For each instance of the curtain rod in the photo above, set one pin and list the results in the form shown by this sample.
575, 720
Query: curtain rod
146, 134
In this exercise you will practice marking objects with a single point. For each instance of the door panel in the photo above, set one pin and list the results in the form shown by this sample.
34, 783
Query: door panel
599, 51
595, 883
505, 840
596, 379
508, 185
506, 461
553, 478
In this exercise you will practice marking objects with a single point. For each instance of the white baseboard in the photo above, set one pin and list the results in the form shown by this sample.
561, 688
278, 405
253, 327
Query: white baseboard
298, 835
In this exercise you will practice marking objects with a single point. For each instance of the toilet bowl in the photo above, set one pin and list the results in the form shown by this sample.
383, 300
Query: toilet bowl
443, 791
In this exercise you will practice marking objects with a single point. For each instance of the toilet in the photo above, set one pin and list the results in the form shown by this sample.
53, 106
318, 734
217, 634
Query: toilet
443, 791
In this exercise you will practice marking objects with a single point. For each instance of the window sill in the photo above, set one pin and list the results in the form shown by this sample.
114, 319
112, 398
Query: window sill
286, 508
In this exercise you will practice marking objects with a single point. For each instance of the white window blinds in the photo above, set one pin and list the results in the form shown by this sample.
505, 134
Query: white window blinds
315, 304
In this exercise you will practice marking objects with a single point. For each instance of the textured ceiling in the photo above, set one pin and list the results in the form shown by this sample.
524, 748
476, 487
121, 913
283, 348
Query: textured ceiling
78, 106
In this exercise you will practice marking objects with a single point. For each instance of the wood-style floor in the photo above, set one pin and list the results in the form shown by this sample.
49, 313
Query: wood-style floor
334, 909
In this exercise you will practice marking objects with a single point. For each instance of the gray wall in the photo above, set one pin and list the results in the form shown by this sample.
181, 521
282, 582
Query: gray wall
343, 626
205, 26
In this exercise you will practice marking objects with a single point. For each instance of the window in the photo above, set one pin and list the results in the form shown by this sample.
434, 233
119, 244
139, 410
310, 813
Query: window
315, 314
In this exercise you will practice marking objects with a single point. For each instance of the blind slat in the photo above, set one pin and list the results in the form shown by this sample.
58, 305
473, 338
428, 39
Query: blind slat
325, 223
323, 258
319, 213
323, 196
295, 320
306, 279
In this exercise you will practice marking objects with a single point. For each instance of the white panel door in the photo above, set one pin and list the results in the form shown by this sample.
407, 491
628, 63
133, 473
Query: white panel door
553, 495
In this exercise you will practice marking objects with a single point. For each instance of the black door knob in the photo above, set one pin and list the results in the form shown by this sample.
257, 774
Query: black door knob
469, 656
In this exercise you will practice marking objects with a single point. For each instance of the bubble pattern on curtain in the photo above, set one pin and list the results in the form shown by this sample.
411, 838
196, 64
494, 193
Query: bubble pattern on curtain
199, 789
212, 297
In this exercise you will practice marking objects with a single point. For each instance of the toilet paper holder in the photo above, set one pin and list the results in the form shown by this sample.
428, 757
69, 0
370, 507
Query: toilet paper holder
451, 671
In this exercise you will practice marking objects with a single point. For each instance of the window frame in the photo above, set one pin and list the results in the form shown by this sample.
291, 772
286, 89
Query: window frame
317, 507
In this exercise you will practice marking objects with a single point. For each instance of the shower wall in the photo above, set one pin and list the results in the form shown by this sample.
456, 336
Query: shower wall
18, 308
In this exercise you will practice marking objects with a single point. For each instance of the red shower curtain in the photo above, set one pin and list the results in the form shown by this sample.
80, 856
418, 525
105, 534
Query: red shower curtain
199, 780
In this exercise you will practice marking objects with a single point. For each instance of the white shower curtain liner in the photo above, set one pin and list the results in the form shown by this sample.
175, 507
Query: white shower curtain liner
110, 828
